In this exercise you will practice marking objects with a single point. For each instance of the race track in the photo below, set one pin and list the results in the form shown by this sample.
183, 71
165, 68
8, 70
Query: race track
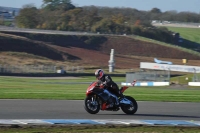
70, 109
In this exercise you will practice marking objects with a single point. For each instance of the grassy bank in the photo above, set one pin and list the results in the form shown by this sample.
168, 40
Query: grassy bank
192, 34
74, 89
100, 128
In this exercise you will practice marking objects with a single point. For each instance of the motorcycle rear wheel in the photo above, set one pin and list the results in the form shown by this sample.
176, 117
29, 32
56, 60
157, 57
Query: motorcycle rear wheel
130, 109
92, 105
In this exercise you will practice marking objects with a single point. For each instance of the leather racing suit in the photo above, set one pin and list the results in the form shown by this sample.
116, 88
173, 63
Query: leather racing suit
110, 85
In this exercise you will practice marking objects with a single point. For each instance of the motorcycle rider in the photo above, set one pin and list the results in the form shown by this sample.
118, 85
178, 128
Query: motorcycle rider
109, 84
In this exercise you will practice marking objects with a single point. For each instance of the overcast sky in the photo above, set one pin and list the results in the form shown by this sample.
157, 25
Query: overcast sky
164, 5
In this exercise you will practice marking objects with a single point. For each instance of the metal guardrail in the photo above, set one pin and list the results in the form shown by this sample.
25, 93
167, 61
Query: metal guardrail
15, 29
144, 76
196, 77
25, 30
39, 69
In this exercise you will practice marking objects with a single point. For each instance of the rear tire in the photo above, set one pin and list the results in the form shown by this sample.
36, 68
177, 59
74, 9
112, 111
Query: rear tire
130, 109
92, 105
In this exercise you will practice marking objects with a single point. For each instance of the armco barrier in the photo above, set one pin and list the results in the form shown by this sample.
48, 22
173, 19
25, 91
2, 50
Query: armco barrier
194, 83
147, 84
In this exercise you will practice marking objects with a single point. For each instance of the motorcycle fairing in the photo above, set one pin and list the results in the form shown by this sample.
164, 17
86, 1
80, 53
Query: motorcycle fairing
123, 89
125, 101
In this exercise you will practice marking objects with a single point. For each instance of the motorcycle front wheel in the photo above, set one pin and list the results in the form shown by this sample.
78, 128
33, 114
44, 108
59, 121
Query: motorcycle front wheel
130, 108
92, 105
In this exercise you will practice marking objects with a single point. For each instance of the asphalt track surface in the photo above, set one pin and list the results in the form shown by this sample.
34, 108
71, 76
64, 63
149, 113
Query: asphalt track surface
73, 109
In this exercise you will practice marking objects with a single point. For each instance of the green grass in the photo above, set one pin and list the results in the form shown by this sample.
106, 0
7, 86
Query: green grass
182, 79
25, 88
100, 128
192, 34
165, 44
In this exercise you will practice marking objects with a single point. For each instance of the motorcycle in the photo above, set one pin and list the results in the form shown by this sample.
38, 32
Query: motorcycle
99, 98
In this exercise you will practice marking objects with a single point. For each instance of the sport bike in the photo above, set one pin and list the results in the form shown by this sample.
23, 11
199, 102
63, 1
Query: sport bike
99, 98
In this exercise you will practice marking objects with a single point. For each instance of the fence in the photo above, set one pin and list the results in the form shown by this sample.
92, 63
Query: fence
196, 77
153, 75
39, 69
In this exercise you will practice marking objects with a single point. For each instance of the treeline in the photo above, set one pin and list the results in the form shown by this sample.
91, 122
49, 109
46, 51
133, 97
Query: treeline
63, 15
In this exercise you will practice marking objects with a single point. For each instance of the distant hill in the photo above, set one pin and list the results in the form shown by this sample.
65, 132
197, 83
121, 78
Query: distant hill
82, 50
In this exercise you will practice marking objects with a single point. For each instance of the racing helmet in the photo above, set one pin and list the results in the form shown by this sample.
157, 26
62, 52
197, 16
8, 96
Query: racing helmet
99, 74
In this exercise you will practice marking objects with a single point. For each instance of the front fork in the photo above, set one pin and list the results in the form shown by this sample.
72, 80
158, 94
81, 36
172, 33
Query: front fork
102, 104
94, 100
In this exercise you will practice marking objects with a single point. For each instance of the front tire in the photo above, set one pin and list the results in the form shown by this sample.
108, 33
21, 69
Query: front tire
92, 105
130, 109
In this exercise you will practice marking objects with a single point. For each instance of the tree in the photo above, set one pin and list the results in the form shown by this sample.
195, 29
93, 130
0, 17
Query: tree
119, 19
155, 10
28, 17
58, 5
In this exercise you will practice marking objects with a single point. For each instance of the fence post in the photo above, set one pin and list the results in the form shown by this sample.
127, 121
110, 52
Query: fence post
55, 69
168, 74
195, 76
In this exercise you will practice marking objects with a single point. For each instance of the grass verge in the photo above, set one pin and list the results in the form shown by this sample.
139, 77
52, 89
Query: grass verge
165, 44
99, 128
74, 89
191, 34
